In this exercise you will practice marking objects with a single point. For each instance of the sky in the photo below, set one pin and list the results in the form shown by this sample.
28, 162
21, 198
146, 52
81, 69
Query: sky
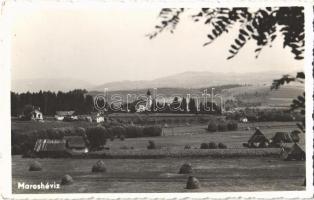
109, 44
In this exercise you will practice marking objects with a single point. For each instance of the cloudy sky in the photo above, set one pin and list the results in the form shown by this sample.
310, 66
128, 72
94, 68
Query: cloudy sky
104, 45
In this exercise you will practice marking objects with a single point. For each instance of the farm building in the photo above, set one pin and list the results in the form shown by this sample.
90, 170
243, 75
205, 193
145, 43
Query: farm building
76, 144
37, 115
61, 115
292, 152
281, 138
50, 147
97, 117
257, 140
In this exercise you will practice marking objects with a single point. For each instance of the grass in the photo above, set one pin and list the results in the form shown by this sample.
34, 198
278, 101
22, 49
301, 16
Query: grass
161, 175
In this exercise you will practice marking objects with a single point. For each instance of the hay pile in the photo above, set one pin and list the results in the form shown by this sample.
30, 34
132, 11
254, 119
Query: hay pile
99, 167
66, 180
186, 168
193, 183
35, 166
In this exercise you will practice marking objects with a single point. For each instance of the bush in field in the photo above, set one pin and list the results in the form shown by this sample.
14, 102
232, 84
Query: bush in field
97, 136
204, 146
212, 145
133, 131
122, 137
232, 125
152, 131
187, 147
222, 126
117, 131
222, 146
151, 145
212, 126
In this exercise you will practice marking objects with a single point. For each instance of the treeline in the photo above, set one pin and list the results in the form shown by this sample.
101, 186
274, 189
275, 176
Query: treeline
50, 102
77, 100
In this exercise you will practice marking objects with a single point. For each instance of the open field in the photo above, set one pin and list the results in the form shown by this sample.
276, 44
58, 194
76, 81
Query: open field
161, 175
142, 174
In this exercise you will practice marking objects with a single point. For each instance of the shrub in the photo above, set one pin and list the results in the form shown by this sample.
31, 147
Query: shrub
152, 131
222, 146
133, 131
16, 149
222, 126
204, 146
151, 145
97, 136
232, 125
212, 126
187, 147
122, 137
212, 145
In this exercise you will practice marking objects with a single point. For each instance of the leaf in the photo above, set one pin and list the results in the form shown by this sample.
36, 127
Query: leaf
241, 37
232, 52
208, 20
258, 49
250, 28
244, 32
300, 75
234, 47
210, 37
238, 42
230, 57
273, 37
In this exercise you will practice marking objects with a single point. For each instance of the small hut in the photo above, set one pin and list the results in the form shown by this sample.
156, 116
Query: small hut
292, 152
76, 144
257, 140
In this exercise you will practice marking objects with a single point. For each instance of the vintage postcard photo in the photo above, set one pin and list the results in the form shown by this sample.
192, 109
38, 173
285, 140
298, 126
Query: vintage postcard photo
159, 99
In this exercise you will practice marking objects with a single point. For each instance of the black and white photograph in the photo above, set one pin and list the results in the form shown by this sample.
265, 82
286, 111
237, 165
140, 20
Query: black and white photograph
150, 99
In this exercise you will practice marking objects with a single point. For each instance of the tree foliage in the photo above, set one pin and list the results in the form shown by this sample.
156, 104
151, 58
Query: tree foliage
262, 26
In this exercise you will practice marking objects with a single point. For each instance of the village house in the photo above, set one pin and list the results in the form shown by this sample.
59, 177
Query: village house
61, 115
37, 114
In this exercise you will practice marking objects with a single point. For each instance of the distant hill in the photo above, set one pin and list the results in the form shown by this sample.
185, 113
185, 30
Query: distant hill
192, 79
186, 80
260, 95
35, 85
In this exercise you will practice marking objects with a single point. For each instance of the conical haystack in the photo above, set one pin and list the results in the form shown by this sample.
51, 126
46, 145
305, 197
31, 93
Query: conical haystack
35, 166
66, 180
193, 183
186, 168
99, 167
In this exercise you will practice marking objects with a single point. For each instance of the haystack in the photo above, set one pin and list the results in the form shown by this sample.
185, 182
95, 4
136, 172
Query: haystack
292, 152
99, 167
281, 137
66, 180
35, 166
193, 183
186, 168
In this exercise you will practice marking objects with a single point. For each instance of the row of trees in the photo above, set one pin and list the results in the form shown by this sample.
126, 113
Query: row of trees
176, 106
77, 100
50, 102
